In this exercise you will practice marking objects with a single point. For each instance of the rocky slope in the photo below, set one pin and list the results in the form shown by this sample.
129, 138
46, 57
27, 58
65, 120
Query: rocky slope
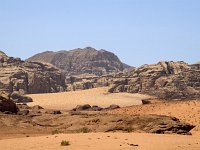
43, 121
81, 61
26, 77
166, 80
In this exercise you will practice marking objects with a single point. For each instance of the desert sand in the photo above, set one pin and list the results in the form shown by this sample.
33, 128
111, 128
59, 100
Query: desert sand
187, 111
96, 96
104, 141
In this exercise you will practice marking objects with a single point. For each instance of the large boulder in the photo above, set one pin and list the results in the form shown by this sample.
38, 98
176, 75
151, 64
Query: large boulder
82, 107
7, 105
20, 98
112, 107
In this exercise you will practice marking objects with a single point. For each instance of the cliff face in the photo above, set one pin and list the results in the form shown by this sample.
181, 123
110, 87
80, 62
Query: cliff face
81, 61
166, 80
26, 77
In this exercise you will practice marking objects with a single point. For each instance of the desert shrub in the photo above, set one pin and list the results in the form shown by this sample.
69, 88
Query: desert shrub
65, 143
55, 132
114, 129
121, 128
84, 130
128, 129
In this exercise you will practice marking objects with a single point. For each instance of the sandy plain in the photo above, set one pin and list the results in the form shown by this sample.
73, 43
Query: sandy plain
187, 111
96, 96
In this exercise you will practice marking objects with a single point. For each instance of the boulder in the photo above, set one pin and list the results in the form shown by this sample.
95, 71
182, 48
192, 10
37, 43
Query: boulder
20, 98
54, 112
111, 107
7, 105
146, 101
82, 107
36, 108
23, 106
96, 108
23, 112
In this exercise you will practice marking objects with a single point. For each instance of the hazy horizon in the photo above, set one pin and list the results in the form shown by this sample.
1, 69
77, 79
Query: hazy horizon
138, 32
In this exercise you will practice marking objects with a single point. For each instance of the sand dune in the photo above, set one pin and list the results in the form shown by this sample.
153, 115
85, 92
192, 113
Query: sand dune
97, 96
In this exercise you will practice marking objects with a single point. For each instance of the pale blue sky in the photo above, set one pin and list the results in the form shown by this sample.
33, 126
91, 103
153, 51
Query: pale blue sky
138, 31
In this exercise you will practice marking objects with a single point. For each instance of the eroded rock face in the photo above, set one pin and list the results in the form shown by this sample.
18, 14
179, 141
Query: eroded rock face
166, 80
80, 61
26, 77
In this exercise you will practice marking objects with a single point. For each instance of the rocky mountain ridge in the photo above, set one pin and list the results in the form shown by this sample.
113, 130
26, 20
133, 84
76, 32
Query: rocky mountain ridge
81, 61
165, 80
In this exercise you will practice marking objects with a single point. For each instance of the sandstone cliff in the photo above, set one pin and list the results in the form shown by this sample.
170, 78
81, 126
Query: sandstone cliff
166, 80
81, 61
26, 77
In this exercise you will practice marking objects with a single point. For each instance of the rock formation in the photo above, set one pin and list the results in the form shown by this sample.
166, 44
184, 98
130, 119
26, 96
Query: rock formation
7, 105
94, 122
81, 61
16, 97
166, 80
27, 77
87, 107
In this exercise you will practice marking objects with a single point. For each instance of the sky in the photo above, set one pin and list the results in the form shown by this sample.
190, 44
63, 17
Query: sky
137, 31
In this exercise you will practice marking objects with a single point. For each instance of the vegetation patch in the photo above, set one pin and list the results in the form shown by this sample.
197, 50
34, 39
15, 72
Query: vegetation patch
128, 129
55, 132
120, 128
65, 143
84, 130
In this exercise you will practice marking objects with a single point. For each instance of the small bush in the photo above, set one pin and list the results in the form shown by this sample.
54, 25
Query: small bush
65, 143
128, 129
55, 132
84, 130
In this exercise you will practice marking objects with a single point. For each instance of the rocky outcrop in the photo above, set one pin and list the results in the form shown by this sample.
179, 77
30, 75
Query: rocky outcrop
7, 105
27, 77
16, 97
94, 122
166, 80
87, 107
81, 61
75, 83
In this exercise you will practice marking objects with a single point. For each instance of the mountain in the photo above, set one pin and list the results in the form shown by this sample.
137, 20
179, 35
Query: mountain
29, 77
82, 61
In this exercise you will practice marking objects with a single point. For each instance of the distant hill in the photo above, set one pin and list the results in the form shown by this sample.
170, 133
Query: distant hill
81, 61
